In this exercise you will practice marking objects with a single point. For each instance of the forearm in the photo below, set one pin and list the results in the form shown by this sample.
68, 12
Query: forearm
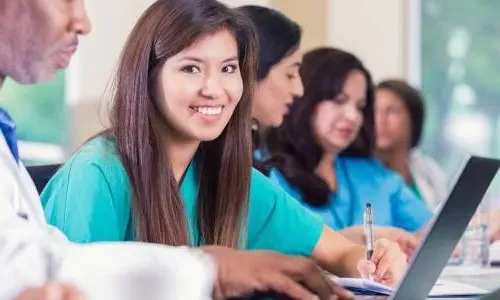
26, 257
337, 254
354, 234
349, 261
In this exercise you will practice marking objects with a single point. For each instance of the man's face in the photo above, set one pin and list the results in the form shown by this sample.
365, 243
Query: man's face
39, 37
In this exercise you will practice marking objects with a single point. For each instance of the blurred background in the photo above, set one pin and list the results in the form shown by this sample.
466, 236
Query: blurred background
448, 48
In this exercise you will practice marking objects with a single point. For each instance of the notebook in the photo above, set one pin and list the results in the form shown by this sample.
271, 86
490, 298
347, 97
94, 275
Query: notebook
442, 288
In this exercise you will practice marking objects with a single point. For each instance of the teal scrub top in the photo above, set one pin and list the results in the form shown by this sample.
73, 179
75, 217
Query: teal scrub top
90, 199
362, 180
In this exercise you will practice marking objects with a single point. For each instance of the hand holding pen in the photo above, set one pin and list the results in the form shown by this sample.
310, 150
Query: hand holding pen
384, 261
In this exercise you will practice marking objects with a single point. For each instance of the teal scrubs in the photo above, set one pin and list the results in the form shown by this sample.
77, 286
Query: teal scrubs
362, 180
90, 200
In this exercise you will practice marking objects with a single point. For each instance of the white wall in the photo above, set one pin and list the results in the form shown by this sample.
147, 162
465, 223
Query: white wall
96, 59
376, 31
94, 64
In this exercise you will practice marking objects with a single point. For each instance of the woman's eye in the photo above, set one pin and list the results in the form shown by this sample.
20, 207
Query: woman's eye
229, 68
190, 69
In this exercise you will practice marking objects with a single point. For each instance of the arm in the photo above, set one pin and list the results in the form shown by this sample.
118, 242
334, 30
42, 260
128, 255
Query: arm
356, 233
31, 256
337, 254
27, 254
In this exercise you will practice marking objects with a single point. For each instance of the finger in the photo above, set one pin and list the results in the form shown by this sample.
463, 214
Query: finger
310, 275
407, 241
381, 247
71, 293
50, 291
283, 284
366, 268
383, 265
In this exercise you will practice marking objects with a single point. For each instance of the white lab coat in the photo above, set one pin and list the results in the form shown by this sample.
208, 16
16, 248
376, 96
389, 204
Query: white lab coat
429, 178
32, 252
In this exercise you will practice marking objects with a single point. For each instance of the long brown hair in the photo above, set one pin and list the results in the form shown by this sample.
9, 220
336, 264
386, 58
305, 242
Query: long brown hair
223, 165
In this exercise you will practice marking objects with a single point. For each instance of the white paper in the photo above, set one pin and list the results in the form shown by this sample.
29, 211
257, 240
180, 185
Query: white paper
495, 252
469, 271
442, 288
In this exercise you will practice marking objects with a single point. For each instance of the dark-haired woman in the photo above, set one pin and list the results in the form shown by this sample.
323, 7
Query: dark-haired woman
323, 152
278, 78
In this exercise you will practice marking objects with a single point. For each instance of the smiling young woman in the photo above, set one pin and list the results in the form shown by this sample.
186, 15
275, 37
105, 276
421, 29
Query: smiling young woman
175, 167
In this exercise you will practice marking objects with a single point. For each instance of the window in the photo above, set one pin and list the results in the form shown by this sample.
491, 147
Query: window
460, 78
39, 113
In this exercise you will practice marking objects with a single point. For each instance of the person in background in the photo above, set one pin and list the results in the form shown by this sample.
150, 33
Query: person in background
175, 166
323, 153
38, 37
400, 115
399, 119
278, 78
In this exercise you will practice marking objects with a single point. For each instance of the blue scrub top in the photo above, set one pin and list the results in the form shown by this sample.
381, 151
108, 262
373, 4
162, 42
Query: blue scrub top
362, 180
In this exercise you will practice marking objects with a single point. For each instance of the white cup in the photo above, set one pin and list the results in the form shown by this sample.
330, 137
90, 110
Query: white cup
131, 271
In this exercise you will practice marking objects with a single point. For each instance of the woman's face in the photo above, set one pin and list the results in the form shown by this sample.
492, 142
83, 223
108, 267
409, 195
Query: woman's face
199, 88
336, 122
392, 120
274, 94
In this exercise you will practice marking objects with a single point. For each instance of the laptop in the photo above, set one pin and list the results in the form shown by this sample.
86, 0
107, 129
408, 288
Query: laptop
445, 230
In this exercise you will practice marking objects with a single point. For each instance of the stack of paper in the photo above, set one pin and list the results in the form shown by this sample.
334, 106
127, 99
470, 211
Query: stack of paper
363, 286
442, 288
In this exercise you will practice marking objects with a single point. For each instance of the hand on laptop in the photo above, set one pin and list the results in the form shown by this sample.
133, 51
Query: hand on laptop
241, 273
387, 265
51, 291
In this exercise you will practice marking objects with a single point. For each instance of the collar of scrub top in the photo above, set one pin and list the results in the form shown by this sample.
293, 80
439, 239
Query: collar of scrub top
8, 129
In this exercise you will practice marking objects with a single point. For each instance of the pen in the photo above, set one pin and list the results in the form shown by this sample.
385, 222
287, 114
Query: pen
368, 231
